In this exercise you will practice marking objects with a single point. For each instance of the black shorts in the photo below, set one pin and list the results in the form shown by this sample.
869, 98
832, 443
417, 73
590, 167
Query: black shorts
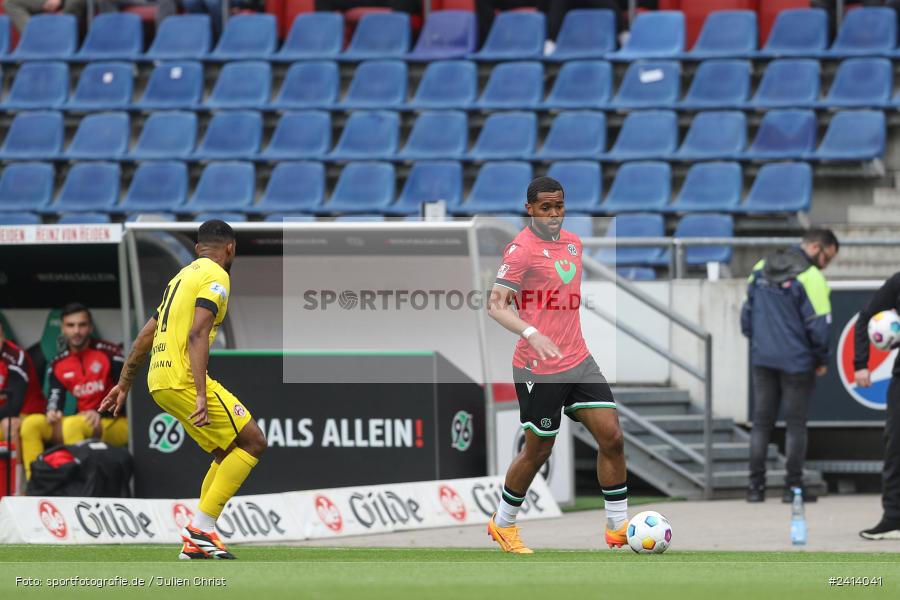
542, 398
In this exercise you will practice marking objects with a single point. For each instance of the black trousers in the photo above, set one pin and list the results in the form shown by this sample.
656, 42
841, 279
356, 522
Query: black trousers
890, 477
410, 6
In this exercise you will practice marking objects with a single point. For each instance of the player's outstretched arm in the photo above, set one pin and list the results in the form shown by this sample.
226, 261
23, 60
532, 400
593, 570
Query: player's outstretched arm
116, 397
500, 309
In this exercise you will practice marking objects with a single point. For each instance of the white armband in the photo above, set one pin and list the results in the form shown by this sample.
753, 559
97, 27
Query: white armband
529, 331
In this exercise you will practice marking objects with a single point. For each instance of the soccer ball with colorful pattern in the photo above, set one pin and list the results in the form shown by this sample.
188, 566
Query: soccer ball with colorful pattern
649, 533
884, 329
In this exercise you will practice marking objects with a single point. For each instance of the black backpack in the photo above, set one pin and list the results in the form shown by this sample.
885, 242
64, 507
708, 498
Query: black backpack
89, 468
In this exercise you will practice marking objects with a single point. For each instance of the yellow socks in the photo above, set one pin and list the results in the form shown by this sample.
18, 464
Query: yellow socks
226, 480
208, 480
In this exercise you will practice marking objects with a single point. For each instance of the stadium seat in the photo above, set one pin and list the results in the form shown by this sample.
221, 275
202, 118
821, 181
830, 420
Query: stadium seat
582, 182
500, 187
514, 36
228, 217
639, 186
242, 85
646, 135
19, 218
637, 273
26, 186
368, 135
113, 36
784, 134
714, 135
506, 136
313, 36
854, 135
181, 37
231, 135
362, 187
446, 34
103, 86
377, 84
429, 182
313, 84
152, 217
85, 218
513, 85
861, 83
92, 186
39, 85
575, 134
636, 225
585, 33
438, 135
380, 35
156, 187
788, 83
247, 37
798, 32
447, 84
47, 37
705, 225
654, 84
780, 188
172, 86
712, 186
581, 84
166, 135
867, 31
293, 187
33, 136
721, 83
5, 36
223, 186
300, 135
289, 218
101, 136
657, 34
725, 34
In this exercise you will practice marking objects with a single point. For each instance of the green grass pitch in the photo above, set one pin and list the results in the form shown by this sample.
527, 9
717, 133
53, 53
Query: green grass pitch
267, 573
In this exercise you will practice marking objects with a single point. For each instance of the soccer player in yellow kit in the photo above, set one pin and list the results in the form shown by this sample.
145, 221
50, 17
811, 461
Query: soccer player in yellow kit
179, 334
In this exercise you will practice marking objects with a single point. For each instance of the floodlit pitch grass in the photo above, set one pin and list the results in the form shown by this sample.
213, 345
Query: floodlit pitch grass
266, 573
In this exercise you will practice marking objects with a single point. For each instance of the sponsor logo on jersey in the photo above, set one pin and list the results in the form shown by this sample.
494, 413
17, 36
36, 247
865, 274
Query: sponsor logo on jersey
565, 270
96, 367
546, 253
218, 288
503, 270
87, 388
239, 410
572, 249
512, 249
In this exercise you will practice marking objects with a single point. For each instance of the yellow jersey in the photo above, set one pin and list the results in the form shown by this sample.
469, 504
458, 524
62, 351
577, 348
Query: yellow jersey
202, 283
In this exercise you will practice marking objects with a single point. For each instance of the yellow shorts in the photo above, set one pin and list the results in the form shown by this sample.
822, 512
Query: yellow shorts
227, 416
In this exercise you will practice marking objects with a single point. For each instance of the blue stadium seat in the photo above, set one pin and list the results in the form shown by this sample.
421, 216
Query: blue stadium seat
438, 135
798, 32
166, 135
854, 135
223, 186
506, 136
866, 31
181, 37
721, 83
788, 83
313, 84
447, 84
85, 218
172, 86
289, 218
33, 136
231, 135
646, 135
300, 135
19, 218
228, 217
639, 186
708, 225
581, 84
446, 34
784, 134
575, 134
714, 135
26, 186
582, 183
780, 188
362, 187
156, 187
101, 136
242, 85
293, 187
103, 86
39, 85
726, 33
377, 84
500, 187
514, 36
585, 33
636, 225
649, 85
657, 34
861, 83
429, 182
368, 135
712, 186
4, 36
113, 36
92, 186
380, 35
151, 217
313, 36
47, 37
247, 37
514, 85
637, 273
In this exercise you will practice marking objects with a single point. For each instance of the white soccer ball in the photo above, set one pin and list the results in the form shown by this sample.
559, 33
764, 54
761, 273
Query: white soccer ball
649, 533
884, 329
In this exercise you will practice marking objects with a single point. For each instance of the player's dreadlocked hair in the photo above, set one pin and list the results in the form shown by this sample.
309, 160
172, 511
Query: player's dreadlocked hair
542, 185
215, 231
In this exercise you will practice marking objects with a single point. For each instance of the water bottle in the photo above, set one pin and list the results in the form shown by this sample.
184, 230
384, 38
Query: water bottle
798, 519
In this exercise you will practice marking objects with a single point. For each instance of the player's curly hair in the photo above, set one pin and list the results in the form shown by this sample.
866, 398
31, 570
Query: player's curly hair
542, 185
215, 231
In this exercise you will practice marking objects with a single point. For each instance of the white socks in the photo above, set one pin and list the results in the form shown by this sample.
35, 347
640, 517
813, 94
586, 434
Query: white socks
203, 521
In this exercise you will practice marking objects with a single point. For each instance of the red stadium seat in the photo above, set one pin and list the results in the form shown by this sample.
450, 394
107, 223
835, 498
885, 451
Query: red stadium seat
695, 12
768, 11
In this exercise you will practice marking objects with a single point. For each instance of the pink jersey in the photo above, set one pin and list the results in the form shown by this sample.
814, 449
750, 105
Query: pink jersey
546, 276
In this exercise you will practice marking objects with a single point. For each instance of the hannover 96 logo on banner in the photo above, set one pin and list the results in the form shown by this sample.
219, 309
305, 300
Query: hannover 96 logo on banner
462, 431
